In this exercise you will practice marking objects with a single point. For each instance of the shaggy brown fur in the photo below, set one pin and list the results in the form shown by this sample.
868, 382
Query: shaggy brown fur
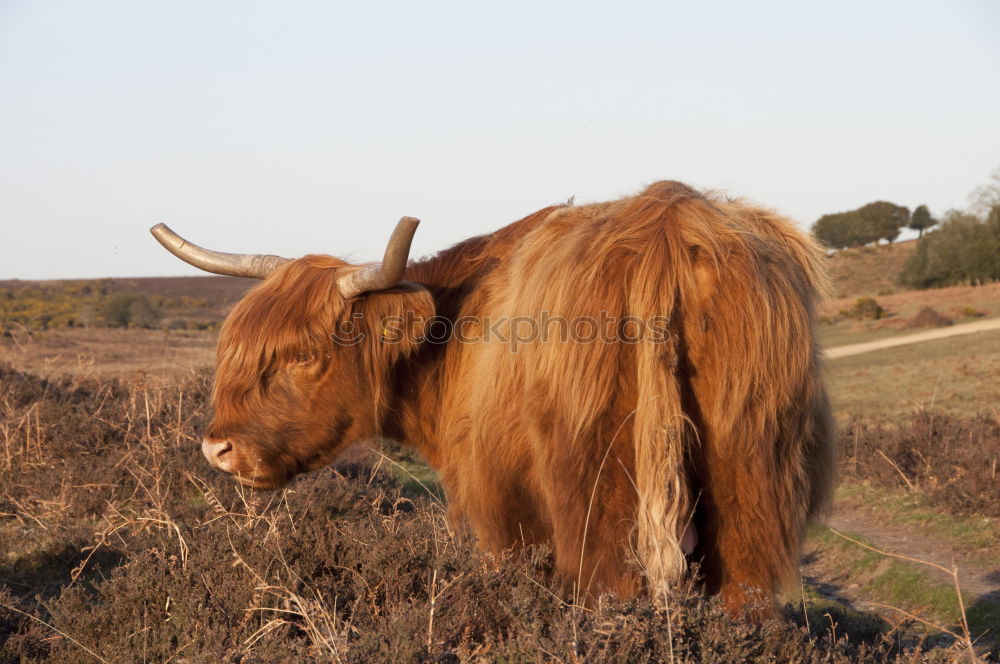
610, 452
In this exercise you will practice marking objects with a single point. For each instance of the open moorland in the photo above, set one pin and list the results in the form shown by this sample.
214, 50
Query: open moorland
119, 544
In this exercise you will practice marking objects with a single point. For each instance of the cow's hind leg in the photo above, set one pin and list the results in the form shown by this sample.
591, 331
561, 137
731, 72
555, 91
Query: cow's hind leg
592, 539
750, 528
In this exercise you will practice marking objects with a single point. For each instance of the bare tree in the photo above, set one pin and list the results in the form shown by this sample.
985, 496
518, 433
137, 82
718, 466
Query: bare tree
986, 196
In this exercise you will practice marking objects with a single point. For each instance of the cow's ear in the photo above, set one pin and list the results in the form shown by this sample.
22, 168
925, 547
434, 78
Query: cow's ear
396, 321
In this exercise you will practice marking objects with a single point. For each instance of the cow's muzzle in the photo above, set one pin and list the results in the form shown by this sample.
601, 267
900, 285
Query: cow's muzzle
218, 453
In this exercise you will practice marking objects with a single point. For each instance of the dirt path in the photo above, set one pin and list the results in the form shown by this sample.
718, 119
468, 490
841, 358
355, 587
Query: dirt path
979, 576
929, 335
976, 578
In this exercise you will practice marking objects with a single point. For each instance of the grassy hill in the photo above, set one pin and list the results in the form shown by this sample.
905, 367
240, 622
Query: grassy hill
869, 270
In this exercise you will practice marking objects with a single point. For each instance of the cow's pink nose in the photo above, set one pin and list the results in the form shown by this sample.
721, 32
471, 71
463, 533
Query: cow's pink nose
217, 453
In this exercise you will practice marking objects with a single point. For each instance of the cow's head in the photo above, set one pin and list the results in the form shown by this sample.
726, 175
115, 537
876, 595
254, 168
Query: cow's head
305, 358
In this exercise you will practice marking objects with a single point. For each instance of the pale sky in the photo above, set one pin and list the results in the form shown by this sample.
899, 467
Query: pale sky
299, 127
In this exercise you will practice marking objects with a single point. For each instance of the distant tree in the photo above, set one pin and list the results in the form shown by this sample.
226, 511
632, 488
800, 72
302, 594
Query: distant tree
882, 220
965, 249
129, 310
860, 229
842, 230
143, 313
87, 314
993, 218
870, 223
114, 310
922, 220
832, 230
986, 196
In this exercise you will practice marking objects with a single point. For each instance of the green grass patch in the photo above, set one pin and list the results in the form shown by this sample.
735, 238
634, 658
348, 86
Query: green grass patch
418, 479
972, 533
197, 499
904, 585
863, 560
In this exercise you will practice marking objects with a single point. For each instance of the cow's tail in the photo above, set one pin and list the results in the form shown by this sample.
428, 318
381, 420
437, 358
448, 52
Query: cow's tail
739, 285
662, 438
663, 434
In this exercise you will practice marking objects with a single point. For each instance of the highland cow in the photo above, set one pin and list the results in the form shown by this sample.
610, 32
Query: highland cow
635, 383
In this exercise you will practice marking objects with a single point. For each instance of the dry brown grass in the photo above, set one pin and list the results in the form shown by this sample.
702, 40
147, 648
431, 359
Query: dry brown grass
109, 353
955, 302
951, 300
869, 270
957, 375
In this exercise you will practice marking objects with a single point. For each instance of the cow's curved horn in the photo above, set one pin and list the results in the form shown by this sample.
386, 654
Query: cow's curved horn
390, 271
255, 266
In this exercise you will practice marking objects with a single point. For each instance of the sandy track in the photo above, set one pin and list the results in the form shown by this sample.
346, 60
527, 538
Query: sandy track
917, 337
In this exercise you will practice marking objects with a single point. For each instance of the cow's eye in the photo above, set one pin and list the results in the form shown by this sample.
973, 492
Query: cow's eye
304, 358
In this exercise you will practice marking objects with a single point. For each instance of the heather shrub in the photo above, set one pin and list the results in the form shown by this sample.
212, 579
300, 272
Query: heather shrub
119, 537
